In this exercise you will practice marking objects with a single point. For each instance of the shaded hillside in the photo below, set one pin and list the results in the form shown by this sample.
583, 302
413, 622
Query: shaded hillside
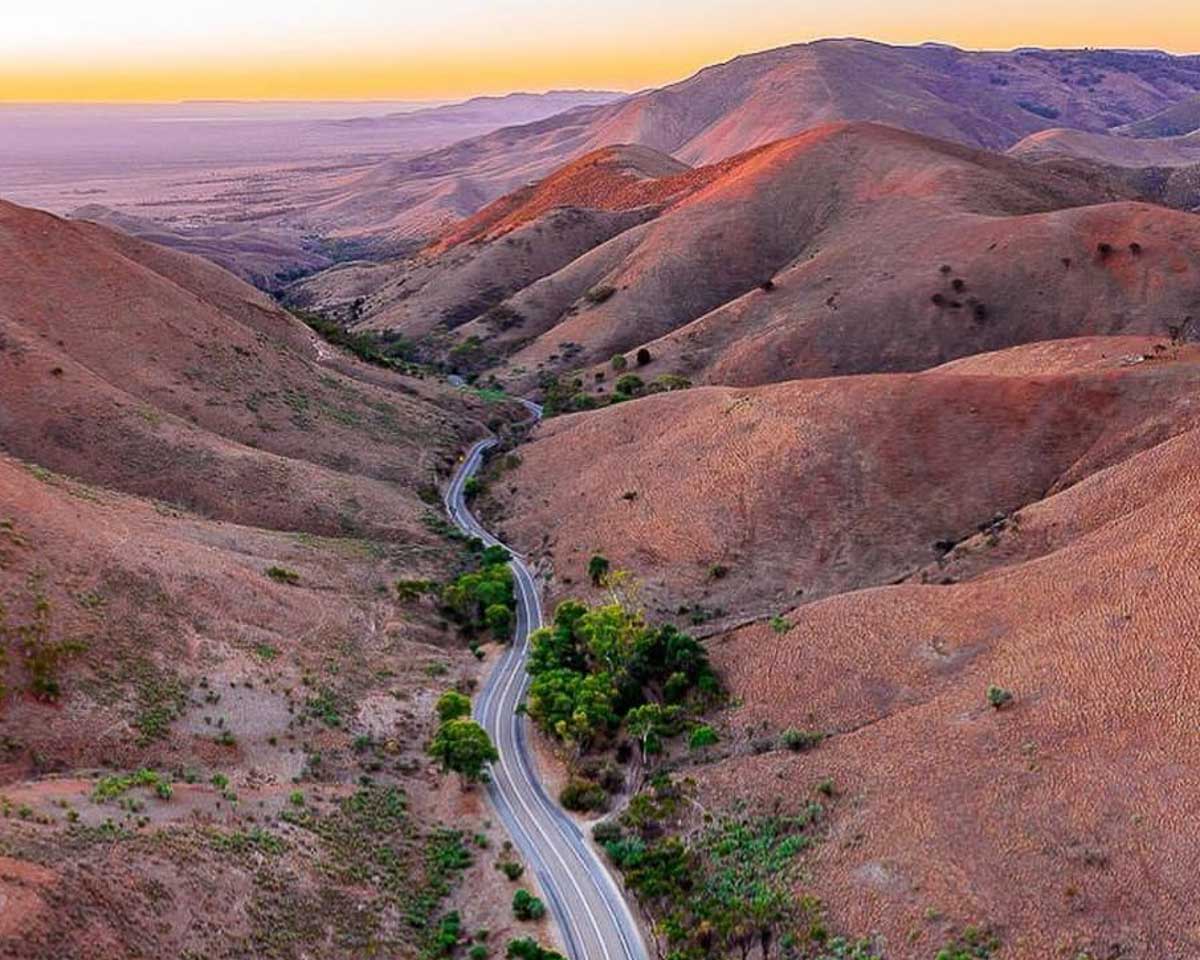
1176, 120
1117, 151
135, 367
508, 245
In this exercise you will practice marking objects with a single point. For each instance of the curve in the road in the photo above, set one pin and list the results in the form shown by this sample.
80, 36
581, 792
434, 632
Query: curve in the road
594, 917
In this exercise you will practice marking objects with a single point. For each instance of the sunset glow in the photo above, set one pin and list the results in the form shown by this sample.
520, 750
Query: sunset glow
138, 50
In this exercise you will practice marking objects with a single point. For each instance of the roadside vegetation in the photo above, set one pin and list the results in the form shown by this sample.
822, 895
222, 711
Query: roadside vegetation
388, 350
723, 885
602, 676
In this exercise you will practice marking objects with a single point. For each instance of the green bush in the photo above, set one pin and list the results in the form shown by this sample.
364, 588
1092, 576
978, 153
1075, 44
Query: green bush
703, 736
799, 740
511, 869
630, 385
599, 294
618, 362
452, 705
583, 795
526, 906
598, 567
998, 697
525, 948
283, 575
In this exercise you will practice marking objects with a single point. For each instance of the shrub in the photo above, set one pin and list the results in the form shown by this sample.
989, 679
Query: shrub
718, 571
780, 623
643, 357
1104, 249
618, 362
526, 906
452, 705
998, 697
598, 567
473, 487
583, 795
409, 590
511, 869
799, 740
1038, 109
667, 382
599, 294
606, 832
703, 736
629, 385
283, 575
526, 948
1135, 248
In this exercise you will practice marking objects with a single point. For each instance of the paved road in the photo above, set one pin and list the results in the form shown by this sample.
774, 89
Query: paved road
591, 912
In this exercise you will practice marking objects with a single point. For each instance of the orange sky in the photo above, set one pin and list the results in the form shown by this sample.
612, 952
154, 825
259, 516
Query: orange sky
309, 49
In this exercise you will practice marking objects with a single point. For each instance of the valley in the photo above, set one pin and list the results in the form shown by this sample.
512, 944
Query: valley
749, 517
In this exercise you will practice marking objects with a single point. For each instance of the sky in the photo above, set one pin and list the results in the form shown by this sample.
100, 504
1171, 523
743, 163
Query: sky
164, 50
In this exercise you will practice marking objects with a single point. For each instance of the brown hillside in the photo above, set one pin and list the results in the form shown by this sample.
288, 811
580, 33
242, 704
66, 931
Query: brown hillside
136, 367
614, 178
1063, 822
238, 638
508, 245
811, 488
855, 226
1106, 149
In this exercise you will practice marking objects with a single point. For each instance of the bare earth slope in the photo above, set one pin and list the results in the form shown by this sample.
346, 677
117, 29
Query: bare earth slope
1063, 822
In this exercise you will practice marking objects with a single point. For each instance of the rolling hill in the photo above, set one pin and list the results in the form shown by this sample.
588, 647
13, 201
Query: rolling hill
203, 661
979, 98
852, 248
903, 542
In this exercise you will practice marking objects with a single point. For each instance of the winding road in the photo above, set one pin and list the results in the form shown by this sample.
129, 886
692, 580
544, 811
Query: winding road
583, 898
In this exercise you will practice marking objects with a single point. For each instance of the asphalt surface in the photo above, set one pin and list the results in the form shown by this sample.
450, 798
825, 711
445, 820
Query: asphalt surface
583, 898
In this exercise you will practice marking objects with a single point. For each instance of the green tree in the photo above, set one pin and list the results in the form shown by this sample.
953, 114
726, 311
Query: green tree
463, 746
452, 705
499, 620
629, 385
573, 706
649, 722
703, 736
